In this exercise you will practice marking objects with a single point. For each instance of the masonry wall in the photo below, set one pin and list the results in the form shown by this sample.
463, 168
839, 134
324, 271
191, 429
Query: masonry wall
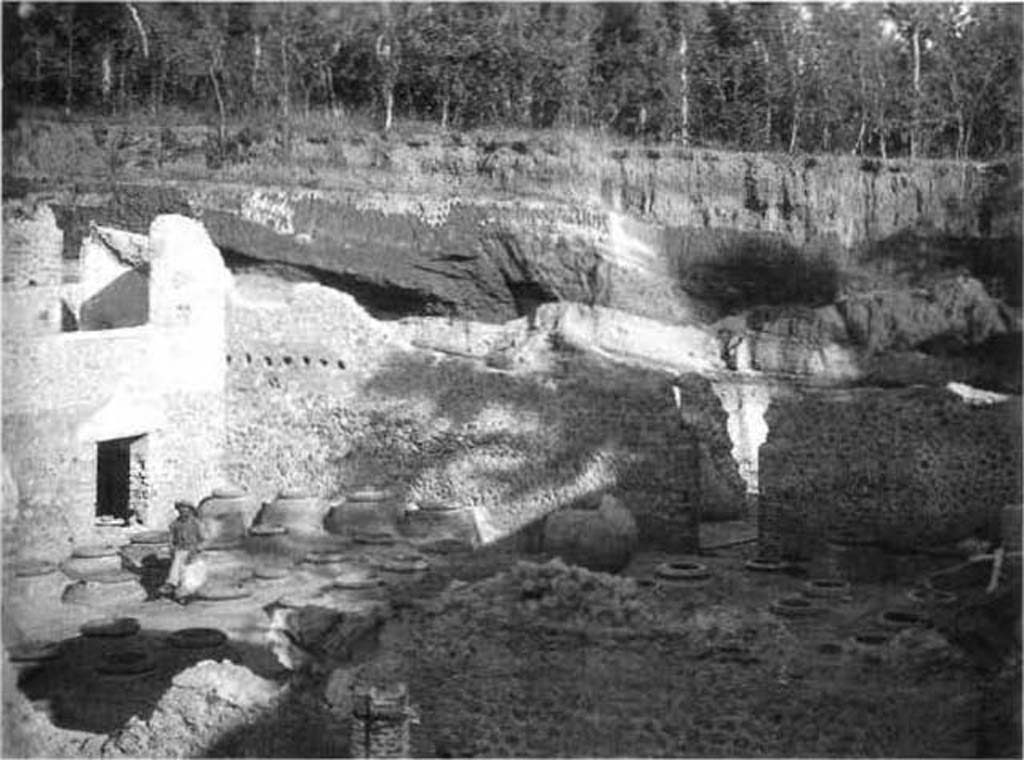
65, 392
511, 446
911, 467
32, 245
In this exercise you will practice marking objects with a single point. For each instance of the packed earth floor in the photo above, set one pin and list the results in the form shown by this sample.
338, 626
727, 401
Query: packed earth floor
512, 655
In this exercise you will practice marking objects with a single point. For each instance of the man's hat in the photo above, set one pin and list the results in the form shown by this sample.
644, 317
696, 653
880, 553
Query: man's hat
186, 505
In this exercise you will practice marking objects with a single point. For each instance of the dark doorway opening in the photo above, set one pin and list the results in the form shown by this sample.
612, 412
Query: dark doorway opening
120, 478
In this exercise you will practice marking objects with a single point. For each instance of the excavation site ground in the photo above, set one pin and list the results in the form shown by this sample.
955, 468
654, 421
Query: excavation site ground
513, 655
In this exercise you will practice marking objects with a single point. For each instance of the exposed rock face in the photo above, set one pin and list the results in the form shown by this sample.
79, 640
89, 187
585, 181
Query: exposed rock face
955, 310
663, 233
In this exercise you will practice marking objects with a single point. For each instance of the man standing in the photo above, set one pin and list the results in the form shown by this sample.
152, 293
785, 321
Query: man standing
186, 540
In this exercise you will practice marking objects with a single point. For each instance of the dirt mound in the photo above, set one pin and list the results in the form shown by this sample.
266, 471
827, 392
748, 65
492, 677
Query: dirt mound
205, 703
553, 592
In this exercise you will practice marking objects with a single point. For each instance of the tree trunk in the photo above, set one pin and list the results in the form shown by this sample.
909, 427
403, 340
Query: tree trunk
70, 82
222, 124
286, 95
161, 82
915, 121
122, 94
384, 60
960, 135
257, 66
106, 77
794, 132
684, 90
389, 108
286, 98
141, 29
858, 147
36, 85
767, 60
329, 85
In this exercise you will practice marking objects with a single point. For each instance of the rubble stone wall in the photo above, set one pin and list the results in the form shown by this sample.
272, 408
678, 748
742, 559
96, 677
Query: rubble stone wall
910, 467
511, 447
32, 245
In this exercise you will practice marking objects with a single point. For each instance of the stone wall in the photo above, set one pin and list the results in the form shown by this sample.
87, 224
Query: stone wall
32, 245
162, 383
910, 468
510, 445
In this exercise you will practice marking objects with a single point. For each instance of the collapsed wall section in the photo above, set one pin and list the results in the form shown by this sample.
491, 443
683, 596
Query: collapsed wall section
908, 468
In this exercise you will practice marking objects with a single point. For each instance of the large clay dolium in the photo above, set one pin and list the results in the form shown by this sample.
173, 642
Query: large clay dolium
225, 516
297, 510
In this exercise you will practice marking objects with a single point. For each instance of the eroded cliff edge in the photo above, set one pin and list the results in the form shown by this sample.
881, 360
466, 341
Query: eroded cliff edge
839, 268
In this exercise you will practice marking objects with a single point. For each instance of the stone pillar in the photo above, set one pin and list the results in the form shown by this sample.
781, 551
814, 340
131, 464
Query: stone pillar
188, 312
380, 722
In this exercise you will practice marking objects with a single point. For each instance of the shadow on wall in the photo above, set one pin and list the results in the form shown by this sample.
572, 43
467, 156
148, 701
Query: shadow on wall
454, 431
381, 301
733, 270
530, 445
910, 257
122, 303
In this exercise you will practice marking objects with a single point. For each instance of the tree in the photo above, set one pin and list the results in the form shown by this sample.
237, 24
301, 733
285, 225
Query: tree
928, 79
976, 63
388, 61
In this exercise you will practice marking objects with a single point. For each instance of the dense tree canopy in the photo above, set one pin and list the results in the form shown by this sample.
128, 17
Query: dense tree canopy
896, 79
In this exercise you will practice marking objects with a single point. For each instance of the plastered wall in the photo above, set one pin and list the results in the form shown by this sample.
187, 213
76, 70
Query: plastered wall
65, 392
